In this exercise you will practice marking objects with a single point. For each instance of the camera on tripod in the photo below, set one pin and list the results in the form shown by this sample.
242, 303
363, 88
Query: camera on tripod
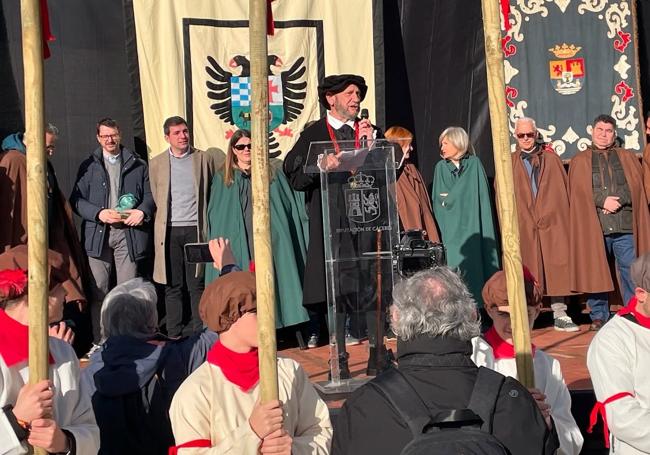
414, 253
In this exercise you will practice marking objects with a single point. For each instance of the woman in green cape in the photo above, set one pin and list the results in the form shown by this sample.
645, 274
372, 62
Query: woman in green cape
230, 215
462, 207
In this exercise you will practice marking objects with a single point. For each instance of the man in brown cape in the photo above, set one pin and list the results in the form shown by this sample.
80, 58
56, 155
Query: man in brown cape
543, 212
607, 200
646, 158
13, 210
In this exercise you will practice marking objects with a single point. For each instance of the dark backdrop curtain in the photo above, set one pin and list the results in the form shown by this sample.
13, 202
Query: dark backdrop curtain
643, 23
86, 77
435, 74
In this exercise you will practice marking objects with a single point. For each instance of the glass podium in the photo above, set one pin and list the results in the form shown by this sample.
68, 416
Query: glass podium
360, 231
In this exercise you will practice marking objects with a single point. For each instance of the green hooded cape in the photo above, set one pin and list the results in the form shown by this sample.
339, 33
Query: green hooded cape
289, 237
464, 216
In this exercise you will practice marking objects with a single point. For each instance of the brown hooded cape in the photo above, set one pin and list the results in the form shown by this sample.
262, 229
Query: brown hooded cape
62, 232
590, 271
646, 171
413, 203
544, 223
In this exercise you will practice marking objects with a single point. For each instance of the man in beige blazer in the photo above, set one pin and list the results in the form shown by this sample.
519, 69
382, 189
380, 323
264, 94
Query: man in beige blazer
180, 182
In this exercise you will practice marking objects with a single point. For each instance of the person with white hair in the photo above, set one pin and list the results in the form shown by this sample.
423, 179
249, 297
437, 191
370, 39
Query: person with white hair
134, 375
542, 196
463, 210
435, 319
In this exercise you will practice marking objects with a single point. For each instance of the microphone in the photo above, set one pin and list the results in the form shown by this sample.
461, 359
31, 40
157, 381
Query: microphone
364, 116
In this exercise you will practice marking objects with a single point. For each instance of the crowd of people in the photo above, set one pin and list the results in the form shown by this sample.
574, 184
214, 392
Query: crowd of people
195, 389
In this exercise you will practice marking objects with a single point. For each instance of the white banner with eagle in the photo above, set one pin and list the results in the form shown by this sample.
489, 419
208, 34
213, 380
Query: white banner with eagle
193, 59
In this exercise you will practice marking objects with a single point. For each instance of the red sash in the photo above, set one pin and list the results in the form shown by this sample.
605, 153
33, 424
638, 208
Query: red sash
599, 408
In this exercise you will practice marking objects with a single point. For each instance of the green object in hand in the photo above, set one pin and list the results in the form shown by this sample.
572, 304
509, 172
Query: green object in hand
125, 202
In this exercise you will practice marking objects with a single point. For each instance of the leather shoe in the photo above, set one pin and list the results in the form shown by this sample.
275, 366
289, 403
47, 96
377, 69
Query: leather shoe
596, 325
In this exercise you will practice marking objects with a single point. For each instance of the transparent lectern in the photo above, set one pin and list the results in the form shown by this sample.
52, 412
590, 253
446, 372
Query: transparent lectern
360, 229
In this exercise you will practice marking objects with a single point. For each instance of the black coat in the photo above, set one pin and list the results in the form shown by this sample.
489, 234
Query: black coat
91, 194
314, 292
367, 424
314, 285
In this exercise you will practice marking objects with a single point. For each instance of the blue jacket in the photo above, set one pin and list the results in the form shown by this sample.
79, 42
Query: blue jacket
91, 194
132, 383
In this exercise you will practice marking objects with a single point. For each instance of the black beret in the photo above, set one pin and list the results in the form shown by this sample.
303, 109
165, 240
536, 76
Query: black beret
337, 83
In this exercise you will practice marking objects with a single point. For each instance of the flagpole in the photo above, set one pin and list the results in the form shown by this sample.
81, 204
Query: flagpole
505, 193
36, 192
261, 214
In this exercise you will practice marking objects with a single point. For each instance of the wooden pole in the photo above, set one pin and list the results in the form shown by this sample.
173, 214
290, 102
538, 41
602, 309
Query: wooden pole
505, 192
261, 212
36, 192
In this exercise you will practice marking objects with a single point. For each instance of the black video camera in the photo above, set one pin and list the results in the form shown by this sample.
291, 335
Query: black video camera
414, 253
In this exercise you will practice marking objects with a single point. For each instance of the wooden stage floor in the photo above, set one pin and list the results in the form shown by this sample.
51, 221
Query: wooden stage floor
569, 348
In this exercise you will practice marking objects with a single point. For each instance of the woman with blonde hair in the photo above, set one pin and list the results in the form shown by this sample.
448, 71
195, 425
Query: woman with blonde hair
413, 203
461, 204
230, 215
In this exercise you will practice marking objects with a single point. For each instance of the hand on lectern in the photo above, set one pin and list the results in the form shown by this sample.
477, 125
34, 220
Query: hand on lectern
329, 162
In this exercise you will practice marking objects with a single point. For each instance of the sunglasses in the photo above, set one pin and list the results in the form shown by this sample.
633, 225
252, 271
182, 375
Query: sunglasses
241, 147
526, 135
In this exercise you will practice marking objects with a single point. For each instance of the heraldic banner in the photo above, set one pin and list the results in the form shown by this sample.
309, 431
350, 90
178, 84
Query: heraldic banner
567, 61
193, 61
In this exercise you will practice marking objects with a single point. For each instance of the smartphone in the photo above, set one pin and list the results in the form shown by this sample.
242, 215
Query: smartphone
197, 252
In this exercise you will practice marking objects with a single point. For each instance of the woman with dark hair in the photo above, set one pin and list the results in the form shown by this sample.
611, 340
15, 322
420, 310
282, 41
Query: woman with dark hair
230, 215
413, 203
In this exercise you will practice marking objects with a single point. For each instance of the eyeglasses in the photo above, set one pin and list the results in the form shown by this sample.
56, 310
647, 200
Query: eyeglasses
241, 147
105, 137
526, 135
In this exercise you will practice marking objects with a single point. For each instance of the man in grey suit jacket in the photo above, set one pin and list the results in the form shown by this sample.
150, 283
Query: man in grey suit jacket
180, 182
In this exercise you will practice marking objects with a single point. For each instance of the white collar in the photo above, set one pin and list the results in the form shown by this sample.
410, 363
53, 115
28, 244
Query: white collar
187, 151
336, 123
111, 158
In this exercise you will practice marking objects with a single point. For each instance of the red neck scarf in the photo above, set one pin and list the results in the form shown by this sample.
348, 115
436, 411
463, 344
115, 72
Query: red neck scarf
500, 347
14, 340
337, 148
644, 321
241, 369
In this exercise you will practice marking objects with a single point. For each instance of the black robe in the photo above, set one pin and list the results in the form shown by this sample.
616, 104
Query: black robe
314, 285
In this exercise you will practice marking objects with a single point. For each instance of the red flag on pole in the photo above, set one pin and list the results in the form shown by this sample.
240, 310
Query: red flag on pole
45, 28
270, 26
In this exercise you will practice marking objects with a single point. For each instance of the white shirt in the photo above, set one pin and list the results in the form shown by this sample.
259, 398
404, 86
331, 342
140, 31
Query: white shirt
208, 406
72, 407
619, 361
336, 123
548, 379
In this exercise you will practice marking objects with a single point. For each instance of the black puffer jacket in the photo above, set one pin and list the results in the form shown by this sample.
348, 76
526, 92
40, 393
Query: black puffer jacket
369, 425
91, 194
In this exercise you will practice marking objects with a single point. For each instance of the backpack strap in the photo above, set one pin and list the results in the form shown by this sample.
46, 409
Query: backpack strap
401, 395
485, 395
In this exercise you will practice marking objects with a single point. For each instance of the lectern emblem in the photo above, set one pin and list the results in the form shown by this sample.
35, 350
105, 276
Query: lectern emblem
362, 199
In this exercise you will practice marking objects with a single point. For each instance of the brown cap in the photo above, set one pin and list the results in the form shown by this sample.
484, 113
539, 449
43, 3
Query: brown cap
337, 83
227, 299
495, 292
640, 271
16, 258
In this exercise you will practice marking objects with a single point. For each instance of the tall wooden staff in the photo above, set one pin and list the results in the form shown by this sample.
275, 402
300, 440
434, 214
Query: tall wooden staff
505, 192
36, 192
261, 212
